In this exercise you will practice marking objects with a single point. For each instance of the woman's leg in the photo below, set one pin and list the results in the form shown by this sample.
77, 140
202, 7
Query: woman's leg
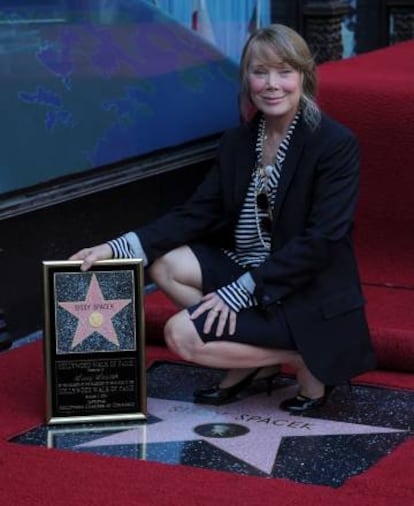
182, 338
178, 275
309, 386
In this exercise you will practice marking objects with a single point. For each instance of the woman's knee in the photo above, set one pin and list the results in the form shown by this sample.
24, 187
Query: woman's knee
181, 336
160, 270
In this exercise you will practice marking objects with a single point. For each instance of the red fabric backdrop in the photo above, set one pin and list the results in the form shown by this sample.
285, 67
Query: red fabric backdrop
373, 94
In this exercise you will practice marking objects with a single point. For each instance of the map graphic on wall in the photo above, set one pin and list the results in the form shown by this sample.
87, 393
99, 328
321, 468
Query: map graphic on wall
90, 83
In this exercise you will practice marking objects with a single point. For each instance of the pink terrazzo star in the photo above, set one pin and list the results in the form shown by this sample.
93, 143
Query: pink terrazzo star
95, 314
266, 425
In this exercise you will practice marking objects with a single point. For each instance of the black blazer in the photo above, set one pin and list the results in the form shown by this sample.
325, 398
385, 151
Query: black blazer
311, 271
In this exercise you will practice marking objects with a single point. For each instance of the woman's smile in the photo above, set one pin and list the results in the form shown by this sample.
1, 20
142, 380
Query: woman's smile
273, 100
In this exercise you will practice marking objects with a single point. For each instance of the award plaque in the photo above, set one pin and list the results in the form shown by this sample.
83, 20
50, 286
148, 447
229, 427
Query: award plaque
94, 341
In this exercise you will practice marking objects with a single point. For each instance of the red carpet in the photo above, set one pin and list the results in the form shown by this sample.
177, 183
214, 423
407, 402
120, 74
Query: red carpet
39, 476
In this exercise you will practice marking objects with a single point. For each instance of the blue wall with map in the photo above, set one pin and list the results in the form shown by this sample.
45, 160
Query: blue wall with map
90, 83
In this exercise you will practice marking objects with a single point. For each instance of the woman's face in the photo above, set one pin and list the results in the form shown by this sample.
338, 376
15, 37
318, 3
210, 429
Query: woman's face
275, 87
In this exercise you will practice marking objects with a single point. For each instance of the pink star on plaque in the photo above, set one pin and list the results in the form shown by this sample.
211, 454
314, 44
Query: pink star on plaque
95, 314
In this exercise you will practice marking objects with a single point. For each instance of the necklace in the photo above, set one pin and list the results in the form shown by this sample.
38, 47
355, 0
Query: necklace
266, 178
264, 240
261, 181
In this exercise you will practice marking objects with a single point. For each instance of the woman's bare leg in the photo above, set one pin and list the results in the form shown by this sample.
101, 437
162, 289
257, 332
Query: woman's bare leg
309, 385
178, 275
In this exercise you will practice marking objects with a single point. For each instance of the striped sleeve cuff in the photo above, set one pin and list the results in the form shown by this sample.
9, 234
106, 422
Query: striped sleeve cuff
236, 297
120, 248
128, 246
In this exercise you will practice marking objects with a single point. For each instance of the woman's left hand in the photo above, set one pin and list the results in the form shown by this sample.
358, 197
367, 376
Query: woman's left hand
216, 308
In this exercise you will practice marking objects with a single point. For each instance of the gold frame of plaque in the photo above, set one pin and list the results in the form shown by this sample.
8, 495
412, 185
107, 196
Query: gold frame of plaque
94, 342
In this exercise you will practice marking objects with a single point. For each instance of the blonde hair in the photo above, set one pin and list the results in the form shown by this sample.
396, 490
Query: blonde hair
285, 43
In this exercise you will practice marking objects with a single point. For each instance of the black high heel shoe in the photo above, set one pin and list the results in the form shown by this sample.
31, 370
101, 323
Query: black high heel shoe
302, 403
217, 395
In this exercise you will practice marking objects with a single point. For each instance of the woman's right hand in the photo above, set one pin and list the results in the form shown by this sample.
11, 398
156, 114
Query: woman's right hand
92, 255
